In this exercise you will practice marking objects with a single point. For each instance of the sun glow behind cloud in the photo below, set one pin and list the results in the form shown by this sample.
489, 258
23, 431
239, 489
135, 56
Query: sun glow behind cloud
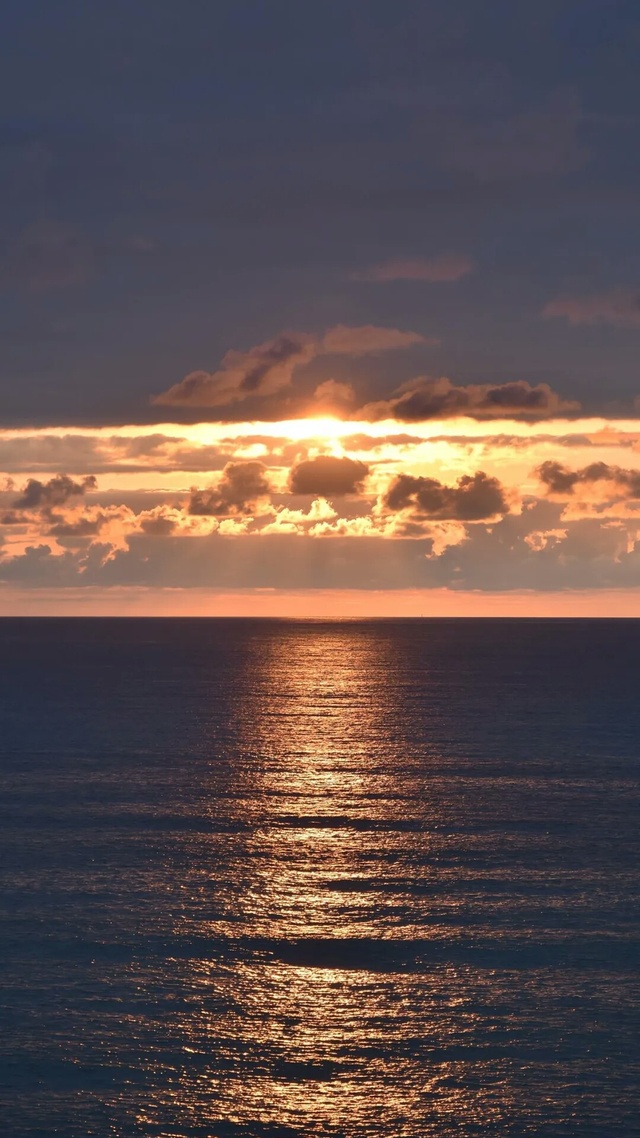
324, 505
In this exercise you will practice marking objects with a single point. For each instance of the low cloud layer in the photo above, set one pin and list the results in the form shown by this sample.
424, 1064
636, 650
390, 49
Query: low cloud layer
531, 550
326, 505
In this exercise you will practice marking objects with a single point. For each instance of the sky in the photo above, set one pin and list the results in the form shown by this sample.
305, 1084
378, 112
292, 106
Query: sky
320, 309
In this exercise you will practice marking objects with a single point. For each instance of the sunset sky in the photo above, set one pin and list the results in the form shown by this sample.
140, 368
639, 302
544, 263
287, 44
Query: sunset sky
320, 308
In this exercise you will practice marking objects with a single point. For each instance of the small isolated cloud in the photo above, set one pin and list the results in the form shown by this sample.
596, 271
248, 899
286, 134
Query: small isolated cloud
560, 481
532, 143
141, 244
56, 492
268, 368
242, 489
345, 341
475, 497
426, 398
444, 268
327, 476
620, 307
48, 255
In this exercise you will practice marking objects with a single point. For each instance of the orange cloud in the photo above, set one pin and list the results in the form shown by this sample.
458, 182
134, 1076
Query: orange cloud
444, 268
345, 341
620, 307
333, 397
461, 510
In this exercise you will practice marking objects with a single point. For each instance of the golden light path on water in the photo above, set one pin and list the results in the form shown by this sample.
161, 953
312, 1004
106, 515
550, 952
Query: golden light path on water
324, 1031
297, 879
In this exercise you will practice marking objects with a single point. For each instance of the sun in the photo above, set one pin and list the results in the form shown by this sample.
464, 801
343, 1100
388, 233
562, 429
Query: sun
325, 430
320, 430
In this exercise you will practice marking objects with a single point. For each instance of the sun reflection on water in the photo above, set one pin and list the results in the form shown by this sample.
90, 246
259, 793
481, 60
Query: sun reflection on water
319, 1028
360, 884
344, 880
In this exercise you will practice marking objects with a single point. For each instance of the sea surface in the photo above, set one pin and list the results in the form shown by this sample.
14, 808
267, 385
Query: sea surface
279, 878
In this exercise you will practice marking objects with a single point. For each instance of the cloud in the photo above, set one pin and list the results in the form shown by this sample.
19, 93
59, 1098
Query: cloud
268, 368
532, 550
561, 481
81, 527
328, 476
333, 397
77, 527
619, 307
48, 255
262, 370
426, 398
416, 504
241, 490
529, 144
345, 341
101, 453
536, 549
57, 491
444, 268
474, 498
159, 522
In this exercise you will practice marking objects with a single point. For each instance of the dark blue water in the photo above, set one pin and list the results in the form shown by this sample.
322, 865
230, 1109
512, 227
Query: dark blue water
268, 878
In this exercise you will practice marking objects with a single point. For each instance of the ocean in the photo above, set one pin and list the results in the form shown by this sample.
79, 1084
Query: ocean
277, 878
